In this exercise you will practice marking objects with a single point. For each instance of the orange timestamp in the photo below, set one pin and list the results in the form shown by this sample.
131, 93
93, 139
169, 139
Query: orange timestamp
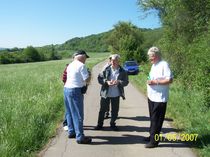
176, 137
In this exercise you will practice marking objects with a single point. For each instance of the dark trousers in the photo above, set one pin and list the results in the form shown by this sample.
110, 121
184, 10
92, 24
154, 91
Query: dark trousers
108, 108
114, 109
157, 112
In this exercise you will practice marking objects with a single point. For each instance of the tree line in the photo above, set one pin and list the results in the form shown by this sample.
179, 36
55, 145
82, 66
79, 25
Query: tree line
126, 39
29, 54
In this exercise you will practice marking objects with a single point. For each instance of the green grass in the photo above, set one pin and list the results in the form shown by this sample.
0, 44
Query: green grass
31, 104
187, 110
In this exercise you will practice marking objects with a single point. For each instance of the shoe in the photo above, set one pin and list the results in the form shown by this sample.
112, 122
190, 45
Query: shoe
147, 139
65, 128
98, 127
151, 145
65, 122
86, 140
106, 115
114, 128
71, 135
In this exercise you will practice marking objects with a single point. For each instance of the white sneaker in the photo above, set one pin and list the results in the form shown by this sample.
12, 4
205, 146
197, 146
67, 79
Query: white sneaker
65, 128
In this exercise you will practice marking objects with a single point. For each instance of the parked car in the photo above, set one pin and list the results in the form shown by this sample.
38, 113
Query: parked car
131, 67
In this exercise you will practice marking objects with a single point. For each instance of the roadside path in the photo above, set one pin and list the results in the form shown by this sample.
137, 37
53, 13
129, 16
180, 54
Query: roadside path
133, 123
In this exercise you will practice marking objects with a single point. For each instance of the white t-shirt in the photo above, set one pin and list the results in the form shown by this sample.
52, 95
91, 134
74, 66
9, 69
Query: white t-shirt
159, 71
76, 75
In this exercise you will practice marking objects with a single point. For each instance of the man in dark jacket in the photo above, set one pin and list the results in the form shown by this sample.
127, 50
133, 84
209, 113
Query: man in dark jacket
113, 80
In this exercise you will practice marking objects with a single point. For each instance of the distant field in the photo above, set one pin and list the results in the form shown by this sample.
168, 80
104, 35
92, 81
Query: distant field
31, 104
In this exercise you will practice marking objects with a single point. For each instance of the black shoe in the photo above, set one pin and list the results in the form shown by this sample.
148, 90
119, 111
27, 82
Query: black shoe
151, 145
114, 128
98, 127
106, 115
147, 139
71, 135
86, 140
65, 122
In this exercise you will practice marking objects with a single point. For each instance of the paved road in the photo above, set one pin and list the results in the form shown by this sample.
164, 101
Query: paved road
133, 123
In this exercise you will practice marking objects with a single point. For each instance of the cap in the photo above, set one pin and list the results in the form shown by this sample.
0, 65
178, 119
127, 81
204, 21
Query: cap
81, 52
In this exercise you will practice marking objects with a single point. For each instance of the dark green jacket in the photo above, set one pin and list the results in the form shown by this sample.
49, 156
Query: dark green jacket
105, 76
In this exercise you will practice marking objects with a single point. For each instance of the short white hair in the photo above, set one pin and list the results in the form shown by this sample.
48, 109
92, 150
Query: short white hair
154, 51
78, 57
114, 56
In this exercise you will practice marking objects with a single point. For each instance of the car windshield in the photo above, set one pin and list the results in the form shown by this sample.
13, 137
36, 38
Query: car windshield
131, 64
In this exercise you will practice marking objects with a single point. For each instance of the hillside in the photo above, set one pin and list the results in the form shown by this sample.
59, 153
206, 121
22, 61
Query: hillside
97, 42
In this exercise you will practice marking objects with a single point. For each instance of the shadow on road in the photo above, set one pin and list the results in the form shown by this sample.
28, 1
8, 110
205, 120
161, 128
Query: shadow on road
143, 118
114, 140
129, 128
134, 139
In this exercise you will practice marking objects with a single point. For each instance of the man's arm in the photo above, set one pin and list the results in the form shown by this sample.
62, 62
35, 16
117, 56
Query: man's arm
160, 82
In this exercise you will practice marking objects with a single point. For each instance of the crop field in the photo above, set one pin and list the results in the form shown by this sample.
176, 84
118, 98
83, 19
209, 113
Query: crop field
31, 104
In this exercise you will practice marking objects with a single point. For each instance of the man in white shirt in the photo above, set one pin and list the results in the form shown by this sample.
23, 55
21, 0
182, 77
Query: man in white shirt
159, 78
77, 77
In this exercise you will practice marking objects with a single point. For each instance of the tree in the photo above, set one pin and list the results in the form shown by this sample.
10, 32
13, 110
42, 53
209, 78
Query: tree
31, 54
5, 58
126, 39
186, 18
54, 54
183, 22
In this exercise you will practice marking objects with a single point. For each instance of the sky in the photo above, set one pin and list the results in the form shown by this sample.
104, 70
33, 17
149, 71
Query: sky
43, 22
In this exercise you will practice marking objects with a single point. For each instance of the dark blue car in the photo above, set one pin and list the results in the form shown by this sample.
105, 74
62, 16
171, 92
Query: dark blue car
131, 67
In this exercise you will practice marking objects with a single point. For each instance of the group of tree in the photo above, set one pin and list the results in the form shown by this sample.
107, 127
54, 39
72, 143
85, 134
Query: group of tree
126, 39
132, 42
186, 45
29, 54
91, 43
186, 38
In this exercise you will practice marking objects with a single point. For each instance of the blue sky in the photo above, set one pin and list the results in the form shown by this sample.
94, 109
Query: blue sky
43, 22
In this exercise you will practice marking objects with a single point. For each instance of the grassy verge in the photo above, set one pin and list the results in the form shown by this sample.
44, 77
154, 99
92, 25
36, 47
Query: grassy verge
185, 107
31, 104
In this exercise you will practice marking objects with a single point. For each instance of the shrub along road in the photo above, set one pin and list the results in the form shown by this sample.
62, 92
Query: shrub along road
133, 125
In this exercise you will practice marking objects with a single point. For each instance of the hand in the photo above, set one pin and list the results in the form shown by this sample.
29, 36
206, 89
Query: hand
115, 82
152, 82
112, 82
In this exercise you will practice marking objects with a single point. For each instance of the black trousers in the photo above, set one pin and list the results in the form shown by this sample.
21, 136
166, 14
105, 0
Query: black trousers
115, 101
157, 112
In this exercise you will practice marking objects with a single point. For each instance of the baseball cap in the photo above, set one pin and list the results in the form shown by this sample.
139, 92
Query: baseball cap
81, 52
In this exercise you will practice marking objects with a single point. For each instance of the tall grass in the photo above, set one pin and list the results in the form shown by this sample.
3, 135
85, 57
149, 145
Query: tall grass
31, 104
186, 108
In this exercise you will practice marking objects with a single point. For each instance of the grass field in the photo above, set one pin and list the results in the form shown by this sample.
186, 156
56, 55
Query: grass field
31, 104
185, 107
